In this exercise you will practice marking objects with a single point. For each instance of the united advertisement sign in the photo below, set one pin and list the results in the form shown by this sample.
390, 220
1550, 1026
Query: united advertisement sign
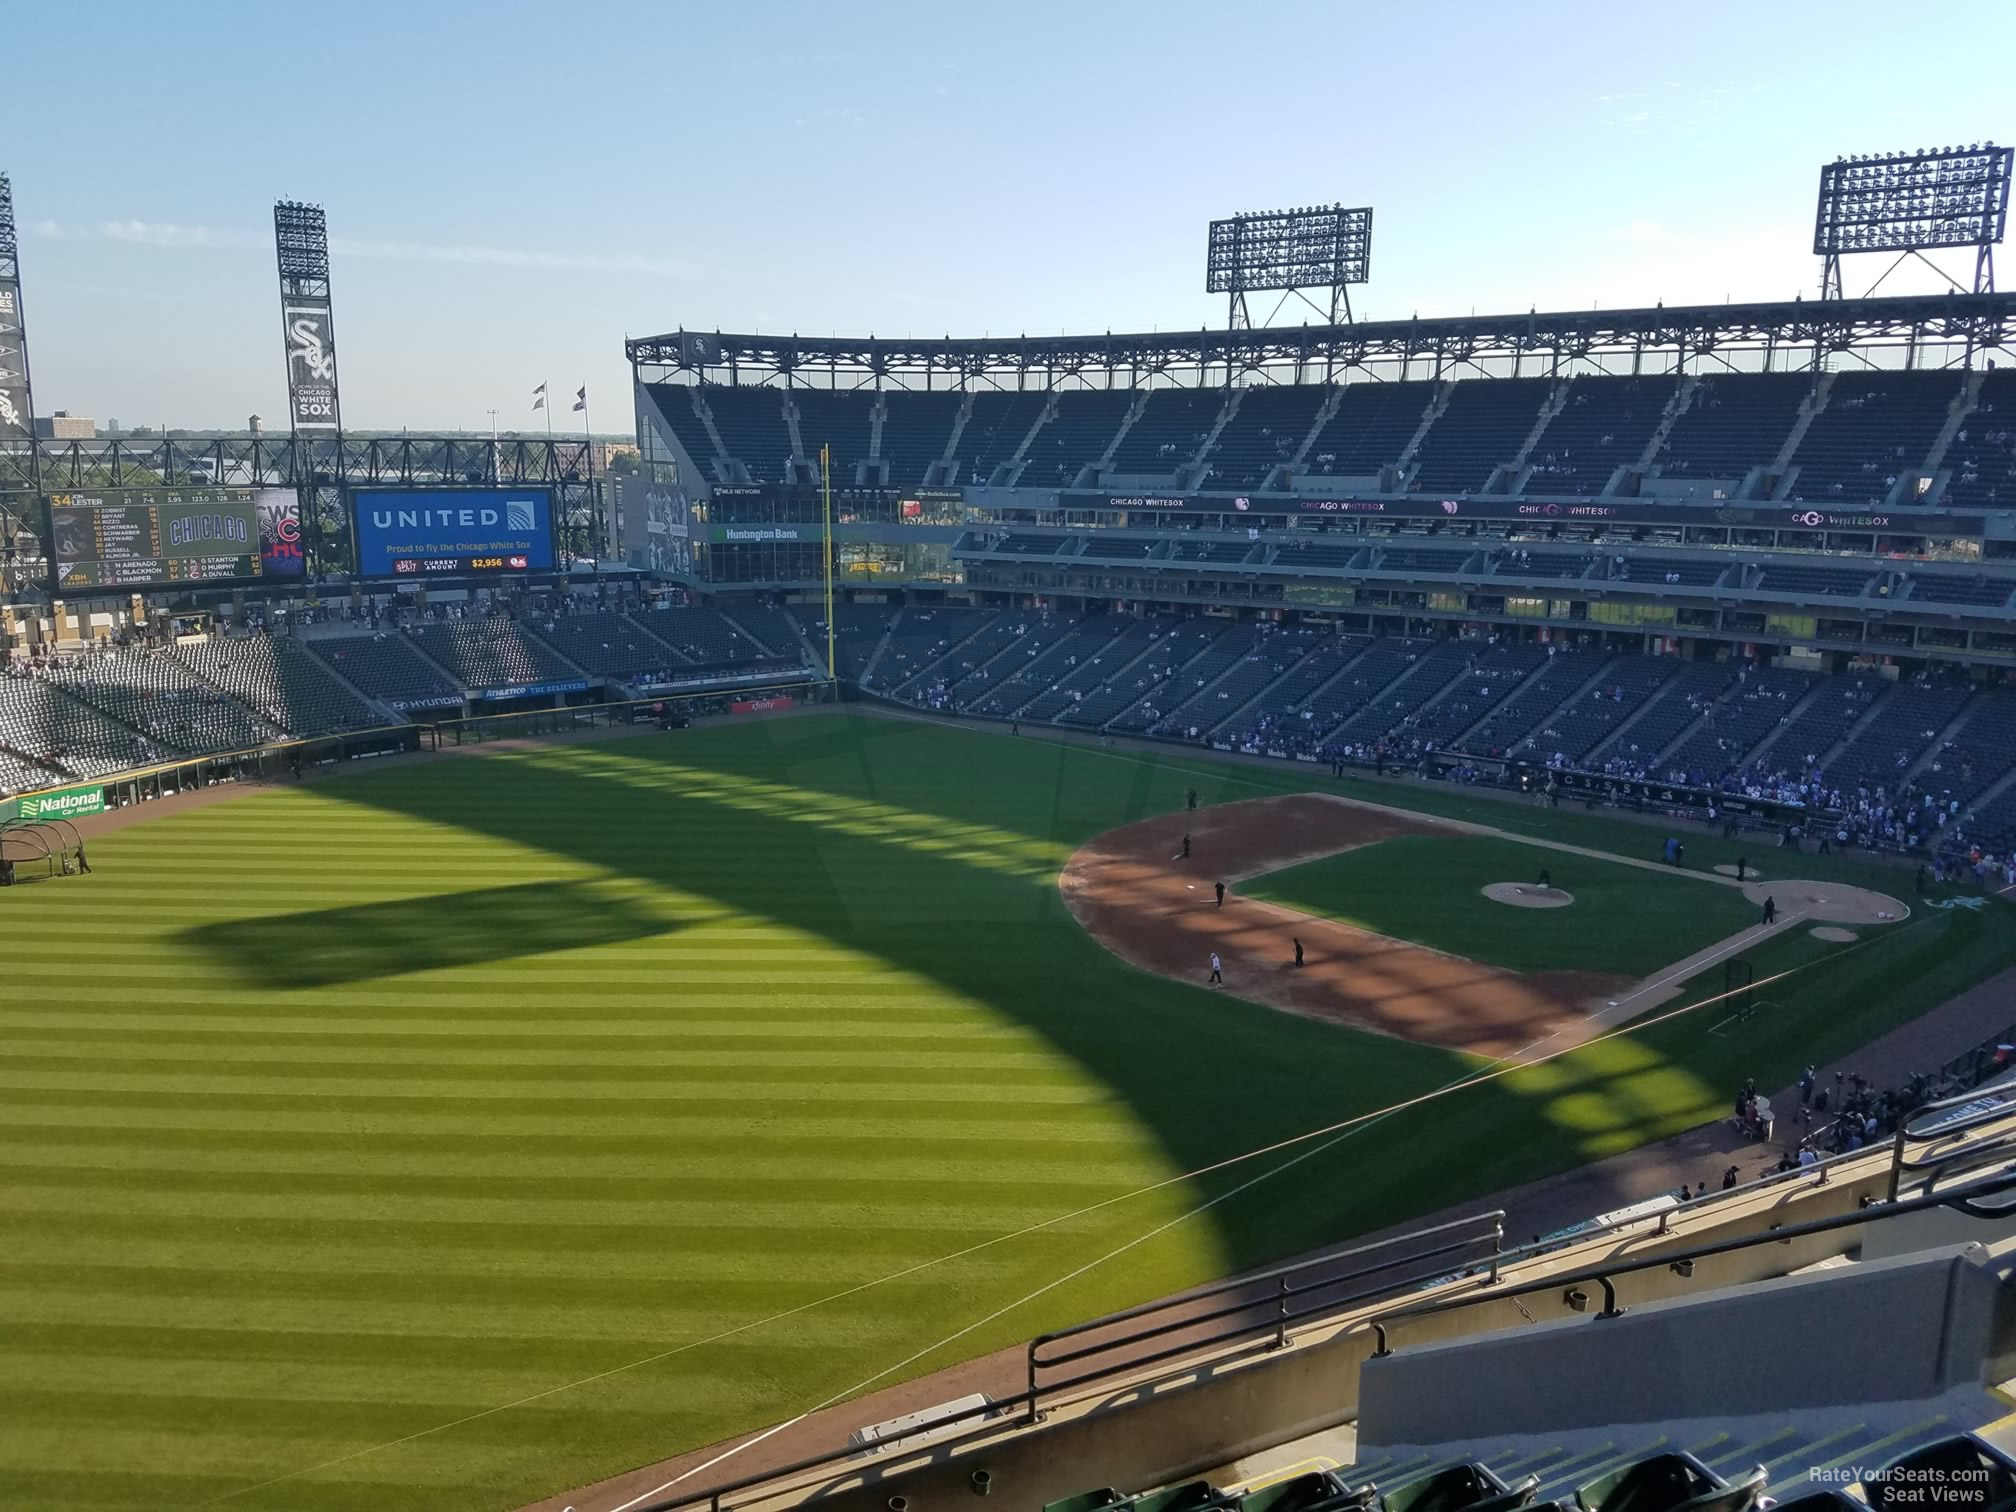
419, 532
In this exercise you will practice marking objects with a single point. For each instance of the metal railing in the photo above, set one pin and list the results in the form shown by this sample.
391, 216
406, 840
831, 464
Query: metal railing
1954, 1137
1969, 1200
1266, 1306
459, 729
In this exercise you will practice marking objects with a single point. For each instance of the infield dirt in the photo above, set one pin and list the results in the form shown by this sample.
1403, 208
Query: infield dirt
1133, 891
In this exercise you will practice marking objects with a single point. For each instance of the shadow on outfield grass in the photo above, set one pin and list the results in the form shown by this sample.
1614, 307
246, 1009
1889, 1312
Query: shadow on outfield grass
332, 946
1207, 1077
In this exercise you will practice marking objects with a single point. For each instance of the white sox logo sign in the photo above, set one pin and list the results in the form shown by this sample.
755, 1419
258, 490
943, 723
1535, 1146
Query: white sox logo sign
13, 364
311, 365
314, 360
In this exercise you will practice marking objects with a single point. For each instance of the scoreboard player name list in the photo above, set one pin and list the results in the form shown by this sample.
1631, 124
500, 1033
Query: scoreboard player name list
127, 530
130, 544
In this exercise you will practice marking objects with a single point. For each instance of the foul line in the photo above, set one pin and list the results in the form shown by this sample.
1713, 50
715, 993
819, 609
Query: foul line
1492, 1072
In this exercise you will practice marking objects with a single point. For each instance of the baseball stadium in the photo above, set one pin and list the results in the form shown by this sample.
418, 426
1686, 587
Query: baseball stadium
1402, 916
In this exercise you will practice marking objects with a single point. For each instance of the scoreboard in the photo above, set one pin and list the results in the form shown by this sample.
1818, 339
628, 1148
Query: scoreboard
132, 537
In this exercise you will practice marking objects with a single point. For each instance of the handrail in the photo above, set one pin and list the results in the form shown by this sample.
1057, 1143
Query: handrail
1931, 1159
1269, 1310
1963, 1200
762, 684
1279, 1278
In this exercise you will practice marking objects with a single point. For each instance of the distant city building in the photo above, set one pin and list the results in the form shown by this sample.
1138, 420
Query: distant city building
256, 426
64, 426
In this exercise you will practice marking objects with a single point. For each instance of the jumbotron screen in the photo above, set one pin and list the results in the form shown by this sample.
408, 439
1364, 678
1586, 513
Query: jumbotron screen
419, 531
137, 537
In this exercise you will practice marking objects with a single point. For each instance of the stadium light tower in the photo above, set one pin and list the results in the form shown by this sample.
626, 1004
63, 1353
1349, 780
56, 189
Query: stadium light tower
308, 337
17, 402
1289, 251
1911, 203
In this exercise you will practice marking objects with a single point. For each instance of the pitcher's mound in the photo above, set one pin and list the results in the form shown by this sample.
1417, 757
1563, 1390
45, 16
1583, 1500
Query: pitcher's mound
1829, 902
1523, 895
1834, 934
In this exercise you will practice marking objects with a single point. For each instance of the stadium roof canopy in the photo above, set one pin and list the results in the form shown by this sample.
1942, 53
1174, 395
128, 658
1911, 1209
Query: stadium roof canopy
1931, 330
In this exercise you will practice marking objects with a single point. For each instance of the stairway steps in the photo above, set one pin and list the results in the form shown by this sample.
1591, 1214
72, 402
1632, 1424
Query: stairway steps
1561, 1487
1891, 1445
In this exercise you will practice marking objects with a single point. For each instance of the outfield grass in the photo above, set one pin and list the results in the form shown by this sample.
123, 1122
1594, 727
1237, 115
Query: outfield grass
334, 1117
1627, 920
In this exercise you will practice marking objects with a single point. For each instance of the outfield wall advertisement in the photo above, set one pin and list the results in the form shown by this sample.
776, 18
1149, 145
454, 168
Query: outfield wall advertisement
420, 532
60, 803
533, 690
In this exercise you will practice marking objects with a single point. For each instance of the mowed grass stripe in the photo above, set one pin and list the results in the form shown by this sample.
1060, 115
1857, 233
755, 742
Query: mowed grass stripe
25, 1194
698, 1147
900, 1250
561, 1317
526, 1163
74, 1111
551, 1259
1028, 1194
372, 1019
669, 1306
249, 1050
642, 1088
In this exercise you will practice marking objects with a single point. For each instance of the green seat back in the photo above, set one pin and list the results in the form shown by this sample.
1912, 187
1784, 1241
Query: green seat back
1085, 1501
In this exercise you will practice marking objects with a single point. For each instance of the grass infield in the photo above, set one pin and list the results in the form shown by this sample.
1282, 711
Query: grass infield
369, 1135
1427, 889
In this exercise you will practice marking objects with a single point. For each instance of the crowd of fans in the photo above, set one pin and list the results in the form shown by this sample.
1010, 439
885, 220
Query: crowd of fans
168, 715
1986, 453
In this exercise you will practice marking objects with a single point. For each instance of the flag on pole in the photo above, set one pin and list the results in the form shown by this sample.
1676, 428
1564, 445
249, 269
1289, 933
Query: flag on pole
581, 399
539, 397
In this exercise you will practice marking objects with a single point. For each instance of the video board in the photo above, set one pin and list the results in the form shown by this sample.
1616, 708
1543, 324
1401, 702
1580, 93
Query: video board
142, 537
423, 532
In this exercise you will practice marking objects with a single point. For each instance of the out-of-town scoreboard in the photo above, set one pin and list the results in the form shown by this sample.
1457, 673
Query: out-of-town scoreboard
133, 537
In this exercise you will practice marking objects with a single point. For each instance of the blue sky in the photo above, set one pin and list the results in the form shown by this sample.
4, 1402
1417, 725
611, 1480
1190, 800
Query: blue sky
512, 189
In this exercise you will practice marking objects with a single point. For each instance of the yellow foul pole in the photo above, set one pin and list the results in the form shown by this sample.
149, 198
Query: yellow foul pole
826, 487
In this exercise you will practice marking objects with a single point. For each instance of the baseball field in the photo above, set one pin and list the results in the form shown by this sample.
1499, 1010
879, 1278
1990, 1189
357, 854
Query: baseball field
447, 1135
